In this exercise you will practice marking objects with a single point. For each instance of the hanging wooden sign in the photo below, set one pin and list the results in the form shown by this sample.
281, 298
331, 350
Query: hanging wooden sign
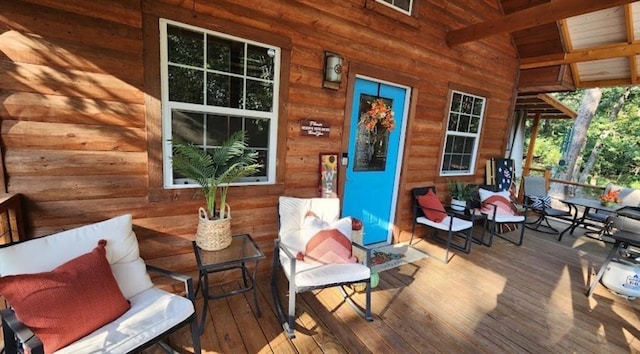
314, 127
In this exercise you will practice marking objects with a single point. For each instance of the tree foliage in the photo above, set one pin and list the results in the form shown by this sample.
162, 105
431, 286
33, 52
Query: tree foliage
616, 136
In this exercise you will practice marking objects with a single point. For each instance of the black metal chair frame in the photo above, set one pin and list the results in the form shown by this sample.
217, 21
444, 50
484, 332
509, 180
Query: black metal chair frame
541, 223
18, 338
465, 234
495, 223
288, 321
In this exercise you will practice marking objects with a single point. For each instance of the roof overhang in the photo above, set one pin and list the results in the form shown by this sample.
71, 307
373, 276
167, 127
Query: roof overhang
543, 106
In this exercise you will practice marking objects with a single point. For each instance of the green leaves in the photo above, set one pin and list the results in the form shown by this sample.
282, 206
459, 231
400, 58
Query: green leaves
216, 168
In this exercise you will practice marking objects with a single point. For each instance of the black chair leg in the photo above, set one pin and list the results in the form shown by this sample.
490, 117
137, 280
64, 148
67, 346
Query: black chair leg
195, 334
274, 289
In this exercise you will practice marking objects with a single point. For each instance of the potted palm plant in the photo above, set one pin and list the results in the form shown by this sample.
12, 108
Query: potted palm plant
460, 193
214, 170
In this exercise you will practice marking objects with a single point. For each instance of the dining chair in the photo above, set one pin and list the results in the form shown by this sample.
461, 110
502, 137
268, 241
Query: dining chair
536, 198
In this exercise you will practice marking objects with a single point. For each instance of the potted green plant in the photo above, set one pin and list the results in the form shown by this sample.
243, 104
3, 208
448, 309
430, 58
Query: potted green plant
214, 170
460, 193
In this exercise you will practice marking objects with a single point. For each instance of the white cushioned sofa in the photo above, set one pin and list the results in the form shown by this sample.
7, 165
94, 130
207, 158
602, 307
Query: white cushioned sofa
153, 312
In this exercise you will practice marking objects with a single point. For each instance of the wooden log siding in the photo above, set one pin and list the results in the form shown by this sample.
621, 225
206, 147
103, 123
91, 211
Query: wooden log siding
80, 109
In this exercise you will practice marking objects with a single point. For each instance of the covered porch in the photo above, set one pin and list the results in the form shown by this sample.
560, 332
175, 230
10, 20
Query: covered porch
496, 299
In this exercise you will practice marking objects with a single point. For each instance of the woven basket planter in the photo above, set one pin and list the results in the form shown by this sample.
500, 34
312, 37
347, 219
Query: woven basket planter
213, 235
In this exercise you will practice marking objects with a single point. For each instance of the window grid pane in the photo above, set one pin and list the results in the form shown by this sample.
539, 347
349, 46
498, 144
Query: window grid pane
463, 132
217, 73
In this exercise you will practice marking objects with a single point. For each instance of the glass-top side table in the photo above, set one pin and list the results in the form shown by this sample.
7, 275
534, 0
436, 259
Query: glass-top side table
241, 251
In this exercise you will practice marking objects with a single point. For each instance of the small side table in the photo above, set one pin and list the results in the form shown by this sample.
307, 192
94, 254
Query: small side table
467, 214
242, 250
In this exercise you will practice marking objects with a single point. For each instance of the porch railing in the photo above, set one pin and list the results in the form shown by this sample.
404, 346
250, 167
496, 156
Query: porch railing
570, 188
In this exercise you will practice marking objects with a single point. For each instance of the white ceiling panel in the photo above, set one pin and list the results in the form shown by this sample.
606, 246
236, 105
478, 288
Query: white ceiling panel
607, 69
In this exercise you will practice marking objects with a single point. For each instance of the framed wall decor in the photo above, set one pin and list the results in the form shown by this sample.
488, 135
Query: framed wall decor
329, 174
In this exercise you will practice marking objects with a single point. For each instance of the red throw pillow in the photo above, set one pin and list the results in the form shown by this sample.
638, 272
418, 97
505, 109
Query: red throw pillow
69, 302
328, 246
432, 207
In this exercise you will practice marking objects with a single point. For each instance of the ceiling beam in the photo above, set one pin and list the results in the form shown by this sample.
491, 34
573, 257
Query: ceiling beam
558, 105
528, 18
594, 53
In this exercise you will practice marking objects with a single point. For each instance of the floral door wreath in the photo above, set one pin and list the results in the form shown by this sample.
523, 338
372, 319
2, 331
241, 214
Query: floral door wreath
379, 114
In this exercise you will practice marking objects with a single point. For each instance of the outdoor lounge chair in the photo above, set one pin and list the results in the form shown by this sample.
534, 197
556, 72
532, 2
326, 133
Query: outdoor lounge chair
537, 199
451, 223
303, 222
74, 286
500, 211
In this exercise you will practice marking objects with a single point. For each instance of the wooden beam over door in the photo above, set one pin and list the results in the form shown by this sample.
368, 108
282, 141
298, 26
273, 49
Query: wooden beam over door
528, 18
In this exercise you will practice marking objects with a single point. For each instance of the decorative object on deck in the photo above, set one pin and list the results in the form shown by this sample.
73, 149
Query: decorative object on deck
215, 169
500, 173
610, 197
297, 227
391, 256
329, 175
149, 312
332, 71
535, 188
428, 211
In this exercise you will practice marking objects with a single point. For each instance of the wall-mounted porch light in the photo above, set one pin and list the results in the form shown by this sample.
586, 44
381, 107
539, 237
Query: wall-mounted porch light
332, 71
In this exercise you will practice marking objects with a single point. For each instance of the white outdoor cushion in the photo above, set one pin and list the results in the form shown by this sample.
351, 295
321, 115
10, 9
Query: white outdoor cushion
313, 275
292, 212
152, 312
458, 224
505, 218
44, 254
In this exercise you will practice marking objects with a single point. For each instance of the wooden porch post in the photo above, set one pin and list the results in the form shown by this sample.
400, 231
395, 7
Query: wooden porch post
527, 162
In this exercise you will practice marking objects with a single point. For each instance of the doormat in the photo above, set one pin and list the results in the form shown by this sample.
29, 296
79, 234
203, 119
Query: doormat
391, 256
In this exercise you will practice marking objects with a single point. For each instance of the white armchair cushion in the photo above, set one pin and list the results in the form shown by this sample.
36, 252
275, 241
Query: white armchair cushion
292, 216
314, 275
152, 312
458, 224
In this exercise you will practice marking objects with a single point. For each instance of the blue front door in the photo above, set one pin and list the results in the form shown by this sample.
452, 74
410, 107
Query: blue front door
375, 144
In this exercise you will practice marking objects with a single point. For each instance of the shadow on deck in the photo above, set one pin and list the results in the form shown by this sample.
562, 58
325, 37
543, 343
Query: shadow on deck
499, 299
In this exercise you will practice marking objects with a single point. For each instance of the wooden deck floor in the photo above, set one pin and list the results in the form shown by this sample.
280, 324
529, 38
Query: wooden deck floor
503, 299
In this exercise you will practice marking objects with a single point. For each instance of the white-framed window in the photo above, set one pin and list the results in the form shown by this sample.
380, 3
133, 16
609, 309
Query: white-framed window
403, 6
213, 85
464, 124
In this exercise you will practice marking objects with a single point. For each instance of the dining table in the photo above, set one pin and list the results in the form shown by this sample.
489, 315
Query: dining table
581, 218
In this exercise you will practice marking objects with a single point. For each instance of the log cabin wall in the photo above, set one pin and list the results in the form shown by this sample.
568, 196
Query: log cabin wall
80, 108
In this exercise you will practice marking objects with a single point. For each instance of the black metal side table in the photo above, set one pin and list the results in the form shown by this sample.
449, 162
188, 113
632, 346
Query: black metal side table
241, 251
468, 214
